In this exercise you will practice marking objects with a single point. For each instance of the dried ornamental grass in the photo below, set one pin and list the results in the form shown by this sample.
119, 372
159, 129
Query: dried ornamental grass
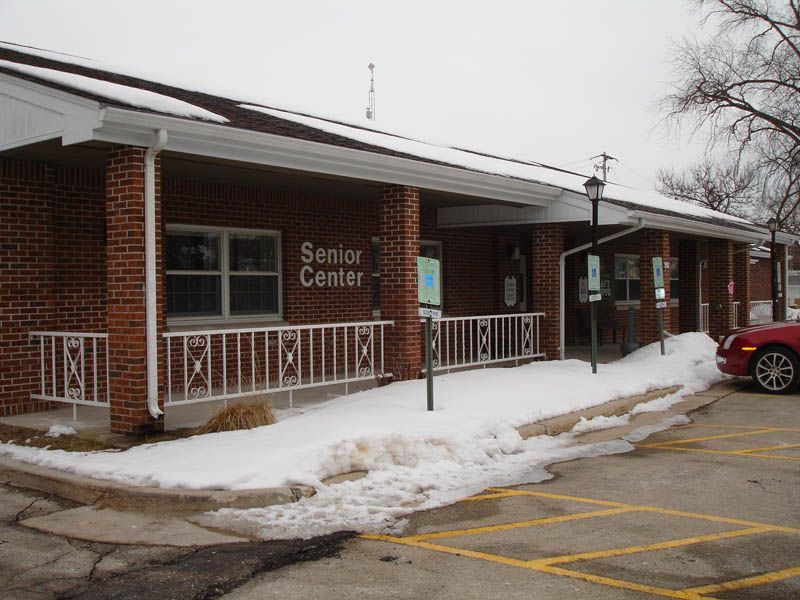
239, 416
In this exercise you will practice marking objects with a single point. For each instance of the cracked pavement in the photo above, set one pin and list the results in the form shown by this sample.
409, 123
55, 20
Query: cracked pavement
37, 565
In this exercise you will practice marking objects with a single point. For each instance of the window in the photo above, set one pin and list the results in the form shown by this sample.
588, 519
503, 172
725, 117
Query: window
626, 277
674, 280
222, 273
426, 249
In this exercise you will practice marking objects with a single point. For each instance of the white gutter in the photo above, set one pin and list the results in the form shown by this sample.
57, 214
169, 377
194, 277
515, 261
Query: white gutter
561, 261
150, 271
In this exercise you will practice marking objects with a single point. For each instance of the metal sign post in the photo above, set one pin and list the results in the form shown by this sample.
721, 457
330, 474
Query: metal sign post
593, 262
428, 292
661, 304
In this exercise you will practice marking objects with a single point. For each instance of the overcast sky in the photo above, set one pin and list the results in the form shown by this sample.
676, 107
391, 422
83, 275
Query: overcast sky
544, 80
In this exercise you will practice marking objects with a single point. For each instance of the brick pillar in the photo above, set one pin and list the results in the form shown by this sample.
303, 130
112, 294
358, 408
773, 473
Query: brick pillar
780, 259
652, 242
127, 352
720, 274
399, 227
547, 246
689, 301
741, 279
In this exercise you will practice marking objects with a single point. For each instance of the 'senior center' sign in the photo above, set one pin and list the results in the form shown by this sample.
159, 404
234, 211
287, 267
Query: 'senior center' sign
329, 257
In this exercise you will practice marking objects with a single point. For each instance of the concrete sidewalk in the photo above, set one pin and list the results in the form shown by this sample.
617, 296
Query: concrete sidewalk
118, 513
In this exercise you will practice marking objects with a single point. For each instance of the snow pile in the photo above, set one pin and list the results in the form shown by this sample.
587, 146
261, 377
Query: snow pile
792, 314
59, 430
120, 93
585, 425
507, 167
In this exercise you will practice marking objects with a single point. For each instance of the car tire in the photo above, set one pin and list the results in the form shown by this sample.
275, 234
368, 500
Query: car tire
776, 370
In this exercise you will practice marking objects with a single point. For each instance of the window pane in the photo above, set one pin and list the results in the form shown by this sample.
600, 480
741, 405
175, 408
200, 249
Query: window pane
376, 258
621, 289
430, 251
674, 288
190, 251
620, 267
254, 294
193, 295
633, 289
253, 252
673, 268
633, 267
376, 293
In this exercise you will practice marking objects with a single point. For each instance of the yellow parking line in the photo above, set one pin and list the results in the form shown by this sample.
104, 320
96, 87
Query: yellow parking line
486, 497
746, 582
518, 524
714, 437
766, 448
728, 452
620, 583
718, 519
563, 497
712, 425
698, 539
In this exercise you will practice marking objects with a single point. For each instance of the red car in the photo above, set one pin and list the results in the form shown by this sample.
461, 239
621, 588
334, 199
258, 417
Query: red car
769, 353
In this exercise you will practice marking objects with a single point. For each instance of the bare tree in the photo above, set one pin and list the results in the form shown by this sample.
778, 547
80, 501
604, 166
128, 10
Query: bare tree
742, 86
730, 188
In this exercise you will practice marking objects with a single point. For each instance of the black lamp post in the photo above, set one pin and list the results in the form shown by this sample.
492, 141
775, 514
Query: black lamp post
594, 190
772, 225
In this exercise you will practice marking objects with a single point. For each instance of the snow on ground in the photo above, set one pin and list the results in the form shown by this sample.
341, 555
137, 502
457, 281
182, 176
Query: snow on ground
120, 93
416, 459
600, 422
59, 430
792, 314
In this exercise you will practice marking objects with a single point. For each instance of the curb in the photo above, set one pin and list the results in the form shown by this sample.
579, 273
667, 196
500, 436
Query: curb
88, 491
85, 490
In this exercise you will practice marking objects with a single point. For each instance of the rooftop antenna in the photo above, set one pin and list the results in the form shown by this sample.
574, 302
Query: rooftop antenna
371, 106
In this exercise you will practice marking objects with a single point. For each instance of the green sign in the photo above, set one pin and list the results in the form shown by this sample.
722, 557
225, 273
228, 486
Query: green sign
658, 272
594, 273
428, 281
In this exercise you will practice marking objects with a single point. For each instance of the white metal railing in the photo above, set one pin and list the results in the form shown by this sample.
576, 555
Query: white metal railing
469, 341
760, 311
73, 367
704, 328
232, 363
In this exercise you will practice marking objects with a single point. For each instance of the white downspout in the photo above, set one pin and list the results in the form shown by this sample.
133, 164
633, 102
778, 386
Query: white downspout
561, 262
150, 271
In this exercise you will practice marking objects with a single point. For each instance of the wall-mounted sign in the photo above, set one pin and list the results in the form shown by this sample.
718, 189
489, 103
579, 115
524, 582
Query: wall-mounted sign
510, 290
658, 272
428, 281
594, 272
731, 287
661, 294
330, 267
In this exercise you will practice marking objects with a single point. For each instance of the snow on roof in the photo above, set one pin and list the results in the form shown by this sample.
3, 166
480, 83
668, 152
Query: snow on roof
508, 167
120, 93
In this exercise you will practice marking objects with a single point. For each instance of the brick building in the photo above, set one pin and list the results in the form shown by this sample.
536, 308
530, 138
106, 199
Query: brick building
162, 246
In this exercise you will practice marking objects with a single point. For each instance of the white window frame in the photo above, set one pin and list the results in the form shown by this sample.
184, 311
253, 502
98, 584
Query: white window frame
225, 274
673, 259
627, 302
376, 272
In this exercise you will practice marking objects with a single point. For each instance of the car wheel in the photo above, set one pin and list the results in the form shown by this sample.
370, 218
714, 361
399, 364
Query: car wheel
776, 370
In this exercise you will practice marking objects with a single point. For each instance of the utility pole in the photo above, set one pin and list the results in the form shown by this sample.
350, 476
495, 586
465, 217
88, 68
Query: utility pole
603, 167
371, 99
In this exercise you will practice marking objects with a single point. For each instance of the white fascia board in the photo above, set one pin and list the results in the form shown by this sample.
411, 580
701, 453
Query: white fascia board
208, 139
678, 224
41, 113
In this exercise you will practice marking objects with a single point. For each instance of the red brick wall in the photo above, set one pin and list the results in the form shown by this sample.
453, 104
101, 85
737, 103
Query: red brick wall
399, 227
27, 275
741, 278
547, 242
720, 273
760, 282
652, 243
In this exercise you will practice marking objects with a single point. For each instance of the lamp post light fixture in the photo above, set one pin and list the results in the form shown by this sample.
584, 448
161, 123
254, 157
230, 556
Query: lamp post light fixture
594, 191
772, 225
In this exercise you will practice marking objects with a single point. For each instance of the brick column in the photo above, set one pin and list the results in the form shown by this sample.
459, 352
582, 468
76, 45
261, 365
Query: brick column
547, 246
689, 301
741, 279
780, 259
720, 273
127, 353
399, 227
652, 242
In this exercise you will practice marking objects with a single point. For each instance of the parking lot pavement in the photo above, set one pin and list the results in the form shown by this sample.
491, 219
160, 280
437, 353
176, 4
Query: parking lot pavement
708, 510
